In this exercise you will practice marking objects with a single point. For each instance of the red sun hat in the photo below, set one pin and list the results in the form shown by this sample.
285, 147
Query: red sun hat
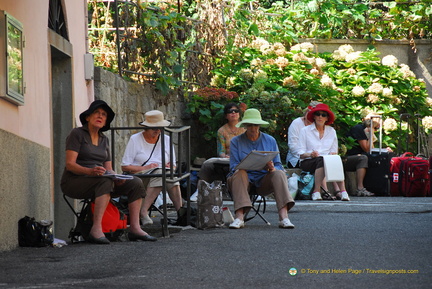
321, 107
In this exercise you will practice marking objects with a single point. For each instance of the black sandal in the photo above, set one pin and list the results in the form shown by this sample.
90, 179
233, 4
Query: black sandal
326, 195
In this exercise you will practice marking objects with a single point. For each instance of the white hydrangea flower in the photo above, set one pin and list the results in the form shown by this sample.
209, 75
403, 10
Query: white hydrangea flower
338, 55
346, 48
388, 92
304, 47
327, 81
372, 98
358, 90
217, 81
230, 81
279, 49
289, 81
406, 71
351, 71
390, 124
307, 46
366, 112
311, 60
278, 46
375, 88
257, 43
353, 56
281, 62
296, 47
389, 60
427, 122
299, 57
256, 62
246, 74
266, 49
314, 71
320, 62
270, 61
429, 101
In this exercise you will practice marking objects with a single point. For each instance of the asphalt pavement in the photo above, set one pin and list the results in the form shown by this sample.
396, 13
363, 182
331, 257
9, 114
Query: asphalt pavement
374, 242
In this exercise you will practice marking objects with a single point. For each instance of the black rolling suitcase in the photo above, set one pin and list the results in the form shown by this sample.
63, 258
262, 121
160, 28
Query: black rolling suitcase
377, 179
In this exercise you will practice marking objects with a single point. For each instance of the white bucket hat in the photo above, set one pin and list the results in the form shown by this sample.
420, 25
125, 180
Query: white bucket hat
154, 118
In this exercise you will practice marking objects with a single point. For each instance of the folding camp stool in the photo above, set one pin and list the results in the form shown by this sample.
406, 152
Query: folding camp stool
258, 206
83, 224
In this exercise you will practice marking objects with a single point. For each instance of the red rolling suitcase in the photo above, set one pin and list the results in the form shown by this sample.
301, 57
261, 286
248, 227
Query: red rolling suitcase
410, 176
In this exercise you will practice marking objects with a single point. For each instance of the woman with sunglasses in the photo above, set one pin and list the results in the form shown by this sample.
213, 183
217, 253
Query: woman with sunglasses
316, 140
224, 135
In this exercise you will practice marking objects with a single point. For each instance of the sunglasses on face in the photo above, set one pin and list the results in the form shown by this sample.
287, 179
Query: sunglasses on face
233, 111
323, 114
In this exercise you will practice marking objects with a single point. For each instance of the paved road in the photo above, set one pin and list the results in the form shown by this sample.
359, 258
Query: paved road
366, 243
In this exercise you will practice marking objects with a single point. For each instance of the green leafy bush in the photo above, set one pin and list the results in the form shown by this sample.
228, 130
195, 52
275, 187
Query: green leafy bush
280, 82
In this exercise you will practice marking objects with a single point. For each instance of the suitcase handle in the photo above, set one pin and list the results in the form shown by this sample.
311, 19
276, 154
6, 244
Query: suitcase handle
407, 154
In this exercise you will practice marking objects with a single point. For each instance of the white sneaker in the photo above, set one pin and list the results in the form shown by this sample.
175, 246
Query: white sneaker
316, 196
237, 224
344, 196
286, 224
194, 196
146, 220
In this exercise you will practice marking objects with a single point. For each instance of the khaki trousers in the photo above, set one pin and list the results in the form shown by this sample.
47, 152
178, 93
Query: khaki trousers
273, 182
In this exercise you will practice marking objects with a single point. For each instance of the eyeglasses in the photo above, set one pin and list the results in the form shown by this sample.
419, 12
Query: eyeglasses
233, 111
323, 114
250, 124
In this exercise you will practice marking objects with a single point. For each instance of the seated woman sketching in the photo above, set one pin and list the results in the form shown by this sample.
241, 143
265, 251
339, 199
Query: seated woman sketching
270, 179
225, 133
143, 153
87, 159
316, 140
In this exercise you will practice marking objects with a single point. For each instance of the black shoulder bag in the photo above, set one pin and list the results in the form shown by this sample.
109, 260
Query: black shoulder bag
151, 151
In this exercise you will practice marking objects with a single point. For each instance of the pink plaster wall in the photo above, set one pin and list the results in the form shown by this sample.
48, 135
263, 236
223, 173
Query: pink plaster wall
32, 121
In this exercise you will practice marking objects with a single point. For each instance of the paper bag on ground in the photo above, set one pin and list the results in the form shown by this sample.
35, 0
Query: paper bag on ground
209, 205
333, 168
256, 160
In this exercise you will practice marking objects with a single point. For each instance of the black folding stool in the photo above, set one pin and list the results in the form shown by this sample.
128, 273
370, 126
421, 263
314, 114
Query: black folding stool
258, 206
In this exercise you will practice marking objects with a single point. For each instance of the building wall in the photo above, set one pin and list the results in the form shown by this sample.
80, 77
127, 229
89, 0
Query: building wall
131, 101
26, 132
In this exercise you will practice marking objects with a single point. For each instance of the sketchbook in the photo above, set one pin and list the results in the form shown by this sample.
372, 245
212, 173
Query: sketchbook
256, 160
115, 176
333, 168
